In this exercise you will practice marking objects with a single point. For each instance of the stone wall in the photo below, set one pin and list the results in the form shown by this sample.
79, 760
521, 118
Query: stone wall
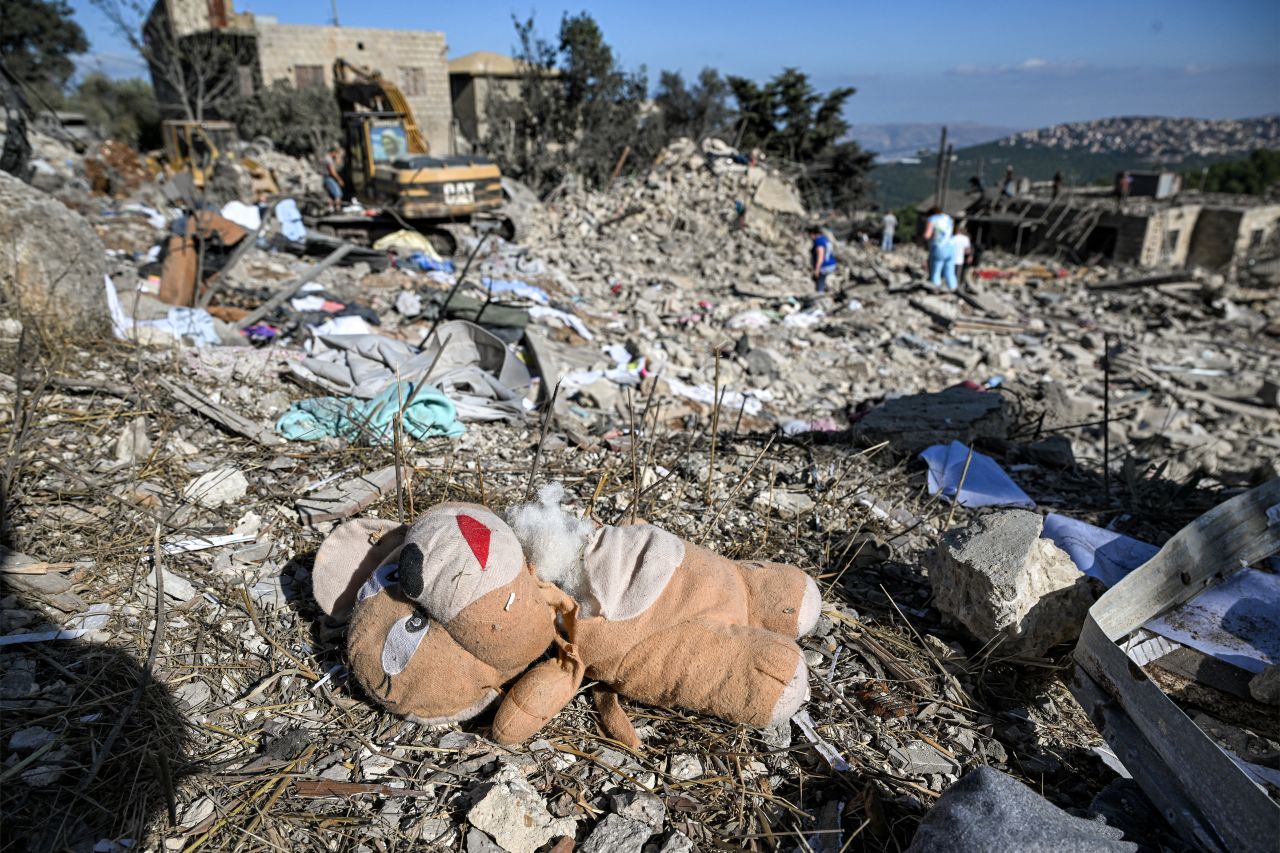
471, 96
413, 60
1223, 234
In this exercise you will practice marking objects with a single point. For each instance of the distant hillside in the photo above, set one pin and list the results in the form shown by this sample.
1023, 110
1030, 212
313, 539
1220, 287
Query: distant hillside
1086, 152
904, 140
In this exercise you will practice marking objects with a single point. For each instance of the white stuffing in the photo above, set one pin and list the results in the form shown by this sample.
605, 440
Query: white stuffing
554, 540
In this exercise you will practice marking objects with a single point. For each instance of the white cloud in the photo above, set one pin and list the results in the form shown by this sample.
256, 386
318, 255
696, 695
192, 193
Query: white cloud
1033, 65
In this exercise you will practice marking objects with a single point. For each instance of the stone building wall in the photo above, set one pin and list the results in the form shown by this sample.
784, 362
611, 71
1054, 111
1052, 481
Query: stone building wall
413, 60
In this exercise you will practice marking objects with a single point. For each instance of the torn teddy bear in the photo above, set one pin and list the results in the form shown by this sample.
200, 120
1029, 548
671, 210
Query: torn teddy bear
451, 609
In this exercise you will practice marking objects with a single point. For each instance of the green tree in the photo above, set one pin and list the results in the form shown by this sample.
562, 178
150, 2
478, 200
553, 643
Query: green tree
578, 111
37, 40
786, 117
120, 109
300, 122
1258, 174
696, 112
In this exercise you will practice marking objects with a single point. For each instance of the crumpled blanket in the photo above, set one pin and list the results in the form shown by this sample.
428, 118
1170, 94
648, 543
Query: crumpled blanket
429, 413
474, 369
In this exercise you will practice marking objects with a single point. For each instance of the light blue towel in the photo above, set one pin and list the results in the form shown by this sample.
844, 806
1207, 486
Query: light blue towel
372, 421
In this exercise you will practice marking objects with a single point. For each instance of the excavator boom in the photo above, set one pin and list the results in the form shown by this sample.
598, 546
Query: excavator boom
363, 88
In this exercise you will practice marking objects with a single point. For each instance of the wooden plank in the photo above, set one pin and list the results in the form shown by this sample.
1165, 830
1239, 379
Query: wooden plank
350, 496
221, 415
1197, 786
294, 286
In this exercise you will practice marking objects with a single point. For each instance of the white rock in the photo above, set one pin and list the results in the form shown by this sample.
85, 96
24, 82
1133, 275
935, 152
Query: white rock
684, 766
515, 815
642, 806
782, 504
617, 834
133, 445
217, 487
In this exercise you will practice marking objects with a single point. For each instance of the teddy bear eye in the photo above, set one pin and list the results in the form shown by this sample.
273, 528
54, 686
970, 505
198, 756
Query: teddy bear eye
403, 639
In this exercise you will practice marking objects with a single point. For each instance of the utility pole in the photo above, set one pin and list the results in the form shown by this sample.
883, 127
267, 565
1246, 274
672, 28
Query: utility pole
946, 177
937, 178
334, 6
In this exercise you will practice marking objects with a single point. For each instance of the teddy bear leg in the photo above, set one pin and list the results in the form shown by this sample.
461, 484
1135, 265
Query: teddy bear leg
781, 598
739, 673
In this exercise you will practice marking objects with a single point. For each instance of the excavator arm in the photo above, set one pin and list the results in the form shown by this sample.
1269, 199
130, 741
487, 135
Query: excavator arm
363, 88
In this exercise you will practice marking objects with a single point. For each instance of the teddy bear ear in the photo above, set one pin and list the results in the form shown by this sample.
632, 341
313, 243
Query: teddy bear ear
346, 559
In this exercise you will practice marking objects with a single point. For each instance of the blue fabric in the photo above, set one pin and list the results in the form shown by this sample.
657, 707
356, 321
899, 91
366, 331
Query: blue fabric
886, 241
829, 258
291, 220
372, 421
941, 267
332, 188
426, 263
821, 282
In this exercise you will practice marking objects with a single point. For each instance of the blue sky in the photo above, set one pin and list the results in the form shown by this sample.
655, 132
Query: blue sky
1016, 64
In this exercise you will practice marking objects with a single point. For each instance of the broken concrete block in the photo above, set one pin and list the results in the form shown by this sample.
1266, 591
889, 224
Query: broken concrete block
54, 265
617, 834
997, 577
515, 815
1052, 452
775, 196
917, 421
919, 759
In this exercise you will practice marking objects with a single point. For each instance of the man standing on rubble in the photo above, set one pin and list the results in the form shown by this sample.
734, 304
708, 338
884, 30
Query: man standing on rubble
822, 256
937, 234
888, 224
333, 183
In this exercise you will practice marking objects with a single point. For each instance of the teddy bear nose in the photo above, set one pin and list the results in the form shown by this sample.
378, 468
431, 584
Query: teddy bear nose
411, 570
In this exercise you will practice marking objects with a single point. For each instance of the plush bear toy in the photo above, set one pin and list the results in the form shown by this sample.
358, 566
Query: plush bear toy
447, 611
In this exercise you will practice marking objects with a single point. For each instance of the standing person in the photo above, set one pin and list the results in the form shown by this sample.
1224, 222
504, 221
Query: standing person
890, 225
822, 257
938, 229
961, 253
333, 183
1057, 183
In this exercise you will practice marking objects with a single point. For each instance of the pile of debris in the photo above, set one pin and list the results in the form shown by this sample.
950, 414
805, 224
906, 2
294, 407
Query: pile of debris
962, 476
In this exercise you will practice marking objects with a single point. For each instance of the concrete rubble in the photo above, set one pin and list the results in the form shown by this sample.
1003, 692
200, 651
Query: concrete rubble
702, 386
1001, 580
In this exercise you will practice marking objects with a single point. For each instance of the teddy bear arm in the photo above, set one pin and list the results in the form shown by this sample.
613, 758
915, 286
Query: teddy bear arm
739, 673
539, 695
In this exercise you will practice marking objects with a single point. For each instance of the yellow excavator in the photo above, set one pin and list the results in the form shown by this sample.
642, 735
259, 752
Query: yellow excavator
197, 147
390, 170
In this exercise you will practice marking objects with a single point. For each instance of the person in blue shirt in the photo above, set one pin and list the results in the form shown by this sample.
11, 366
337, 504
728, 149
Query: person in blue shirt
938, 229
823, 258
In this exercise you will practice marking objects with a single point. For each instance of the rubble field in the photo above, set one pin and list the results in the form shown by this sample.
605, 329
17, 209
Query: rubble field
168, 682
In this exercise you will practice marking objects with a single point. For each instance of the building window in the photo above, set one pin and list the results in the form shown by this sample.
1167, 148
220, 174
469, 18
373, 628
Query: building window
413, 81
1255, 238
308, 76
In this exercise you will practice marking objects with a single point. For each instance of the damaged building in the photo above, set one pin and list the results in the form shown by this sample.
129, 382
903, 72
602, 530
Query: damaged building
1154, 226
240, 52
